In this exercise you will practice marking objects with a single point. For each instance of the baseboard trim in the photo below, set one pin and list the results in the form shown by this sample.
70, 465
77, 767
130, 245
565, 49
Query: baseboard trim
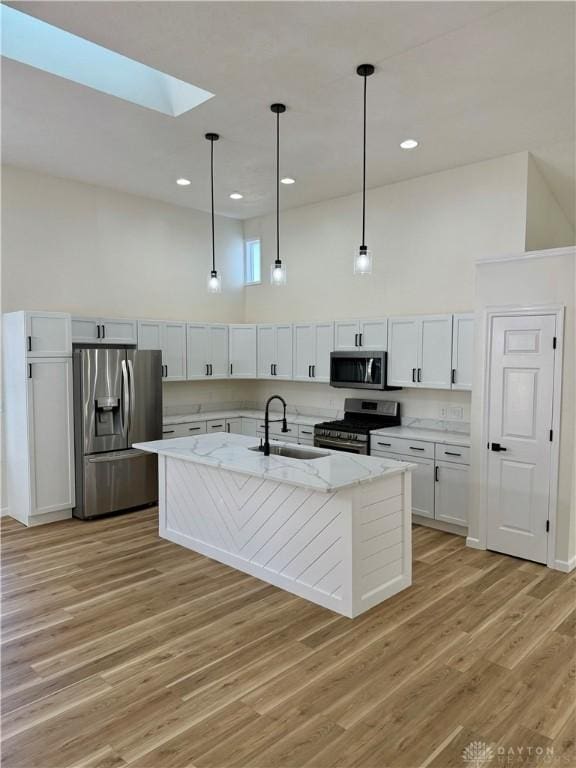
474, 543
564, 565
439, 525
4, 512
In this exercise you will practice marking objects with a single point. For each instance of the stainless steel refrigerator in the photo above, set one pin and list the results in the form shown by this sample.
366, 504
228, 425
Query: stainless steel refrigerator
117, 402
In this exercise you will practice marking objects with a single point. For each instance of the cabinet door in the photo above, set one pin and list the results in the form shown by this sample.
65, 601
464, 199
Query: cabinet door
462, 351
422, 486
149, 334
174, 351
452, 490
374, 334
403, 337
86, 330
346, 334
435, 366
218, 351
234, 426
249, 427
48, 335
197, 345
243, 351
119, 331
266, 351
283, 362
324, 335
51, 434
304, 351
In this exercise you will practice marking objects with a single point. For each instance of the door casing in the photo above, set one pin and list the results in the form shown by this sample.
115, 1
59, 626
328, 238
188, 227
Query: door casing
486, 354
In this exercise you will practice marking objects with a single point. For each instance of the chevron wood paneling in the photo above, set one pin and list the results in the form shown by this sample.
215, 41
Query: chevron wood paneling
298, 539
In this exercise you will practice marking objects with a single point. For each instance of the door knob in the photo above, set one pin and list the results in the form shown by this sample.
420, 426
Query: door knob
497, 447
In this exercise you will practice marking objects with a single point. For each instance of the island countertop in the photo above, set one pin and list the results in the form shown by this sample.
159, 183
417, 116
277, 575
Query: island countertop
330, 473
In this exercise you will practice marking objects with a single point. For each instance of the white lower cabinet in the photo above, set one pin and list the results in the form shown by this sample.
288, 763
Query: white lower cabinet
451, 493
234, 426
216, 425
249, 426
440, 487
187, 429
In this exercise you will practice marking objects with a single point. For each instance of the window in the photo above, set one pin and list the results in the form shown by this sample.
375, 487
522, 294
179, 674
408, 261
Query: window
252, 265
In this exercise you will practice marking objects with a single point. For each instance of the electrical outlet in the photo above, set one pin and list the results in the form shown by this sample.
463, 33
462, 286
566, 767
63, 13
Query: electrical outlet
443, 411
456, 413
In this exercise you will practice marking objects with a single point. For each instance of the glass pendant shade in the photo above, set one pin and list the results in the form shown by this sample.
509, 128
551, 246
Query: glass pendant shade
363, 261
214, 282
278, 273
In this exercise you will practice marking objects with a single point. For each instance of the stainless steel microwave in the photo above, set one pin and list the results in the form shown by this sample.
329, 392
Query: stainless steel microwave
359, 369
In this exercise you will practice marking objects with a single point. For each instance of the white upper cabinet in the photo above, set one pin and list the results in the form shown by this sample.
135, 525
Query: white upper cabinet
207, 351
420, 351
313, 343
275, 351
48, 334
170, 339
242, 351
403, 344
361, 334
102, 330
435, 353
463, 351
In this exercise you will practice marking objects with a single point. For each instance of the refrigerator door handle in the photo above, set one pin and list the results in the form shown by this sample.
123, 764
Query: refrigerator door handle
132, 392
125, 410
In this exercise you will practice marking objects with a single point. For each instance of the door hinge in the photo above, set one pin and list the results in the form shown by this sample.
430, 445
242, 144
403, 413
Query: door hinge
551, 435
547, 526
554, 343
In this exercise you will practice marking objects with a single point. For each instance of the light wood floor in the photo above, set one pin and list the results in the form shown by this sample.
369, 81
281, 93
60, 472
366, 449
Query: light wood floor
122, 649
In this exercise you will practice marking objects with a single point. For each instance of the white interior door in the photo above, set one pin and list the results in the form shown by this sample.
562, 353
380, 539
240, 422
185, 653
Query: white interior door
266, 351
519, 423
197, 338
219, 351
403, 335
435, 367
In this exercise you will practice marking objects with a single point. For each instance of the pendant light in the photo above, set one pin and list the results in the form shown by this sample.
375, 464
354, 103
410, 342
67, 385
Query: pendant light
363, 257
214, 279
278, 270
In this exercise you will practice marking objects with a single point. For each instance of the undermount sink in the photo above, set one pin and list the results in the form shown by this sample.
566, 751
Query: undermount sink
292, 452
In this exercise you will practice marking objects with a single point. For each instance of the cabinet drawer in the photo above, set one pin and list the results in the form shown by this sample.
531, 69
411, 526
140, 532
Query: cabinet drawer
305, 433
457, 453
402, 445
184, 430
276, 429
216, 425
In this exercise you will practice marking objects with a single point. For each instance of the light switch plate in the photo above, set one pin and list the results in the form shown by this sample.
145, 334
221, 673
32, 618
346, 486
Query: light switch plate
456, 413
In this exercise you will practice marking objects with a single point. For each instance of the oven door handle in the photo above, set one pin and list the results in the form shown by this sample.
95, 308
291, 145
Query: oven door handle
322, 442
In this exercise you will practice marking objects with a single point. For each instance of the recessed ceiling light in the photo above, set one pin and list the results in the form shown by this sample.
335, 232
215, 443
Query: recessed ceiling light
288, 180
409, 144
236, 196
183, 182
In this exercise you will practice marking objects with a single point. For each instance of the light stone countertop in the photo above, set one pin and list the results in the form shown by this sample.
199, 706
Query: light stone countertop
330, 473
291, 418
427, 435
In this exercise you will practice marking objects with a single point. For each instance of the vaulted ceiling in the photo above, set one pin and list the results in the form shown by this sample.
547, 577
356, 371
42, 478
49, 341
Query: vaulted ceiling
469, 80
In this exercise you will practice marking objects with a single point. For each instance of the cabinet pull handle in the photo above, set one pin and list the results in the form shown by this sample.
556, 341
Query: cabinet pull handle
419, 374
29, 370
436, 469
304, 432
231, 369
360, 342
210, 369
453, 376
414, 375
355, 339
166, 370
313, 371
386, 445
309, 371
29, 342
103, 331
449, 453
413, 448
216, 426
168, 431
97, 330
227, 427
207, 370
193, 429
275, 369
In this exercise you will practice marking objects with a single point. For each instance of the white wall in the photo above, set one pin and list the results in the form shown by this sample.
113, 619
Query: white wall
541, 281
546, 223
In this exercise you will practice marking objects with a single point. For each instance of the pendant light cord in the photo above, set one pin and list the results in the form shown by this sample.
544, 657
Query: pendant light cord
277, 186
212, 196
364, 171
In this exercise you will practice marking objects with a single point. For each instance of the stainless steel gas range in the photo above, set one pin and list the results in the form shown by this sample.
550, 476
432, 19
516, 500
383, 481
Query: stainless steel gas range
352, 433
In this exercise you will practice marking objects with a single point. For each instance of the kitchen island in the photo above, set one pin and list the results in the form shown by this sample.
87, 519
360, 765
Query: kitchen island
331, 527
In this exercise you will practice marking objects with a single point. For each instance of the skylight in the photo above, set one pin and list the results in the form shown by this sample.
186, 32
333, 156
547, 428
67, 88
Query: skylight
41, 45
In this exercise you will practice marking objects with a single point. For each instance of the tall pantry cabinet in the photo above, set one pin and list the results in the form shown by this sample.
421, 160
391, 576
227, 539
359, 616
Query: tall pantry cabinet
38, 416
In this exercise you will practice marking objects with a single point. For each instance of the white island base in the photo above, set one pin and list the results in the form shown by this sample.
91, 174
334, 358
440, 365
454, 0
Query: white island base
346, 549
